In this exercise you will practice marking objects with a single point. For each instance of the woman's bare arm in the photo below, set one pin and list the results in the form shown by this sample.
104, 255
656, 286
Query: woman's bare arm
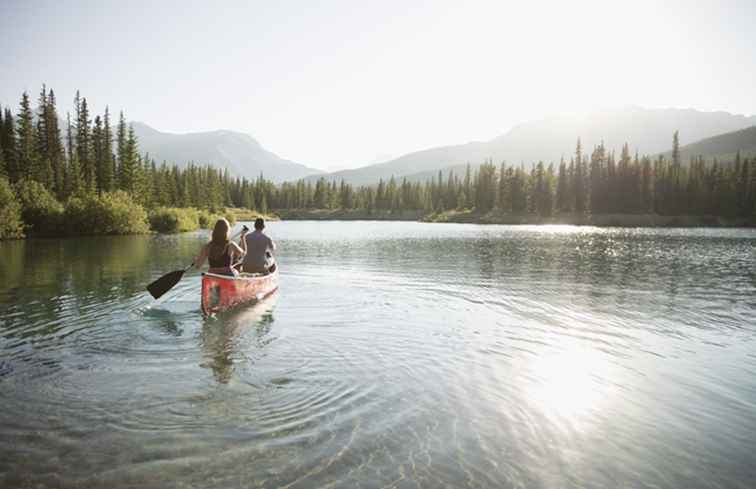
237, 250
243, 242
200, 260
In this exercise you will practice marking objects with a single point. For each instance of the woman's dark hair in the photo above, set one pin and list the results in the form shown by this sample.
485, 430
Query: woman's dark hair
259, 223
219, 240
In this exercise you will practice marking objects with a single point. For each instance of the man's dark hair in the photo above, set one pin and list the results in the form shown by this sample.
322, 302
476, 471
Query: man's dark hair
259, 223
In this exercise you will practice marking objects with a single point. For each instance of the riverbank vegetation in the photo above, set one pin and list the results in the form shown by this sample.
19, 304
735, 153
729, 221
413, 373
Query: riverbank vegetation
98, 182
620, 188
90, 178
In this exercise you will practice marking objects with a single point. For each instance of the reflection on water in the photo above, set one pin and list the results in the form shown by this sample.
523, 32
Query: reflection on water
571, 382
395, 355
221, 338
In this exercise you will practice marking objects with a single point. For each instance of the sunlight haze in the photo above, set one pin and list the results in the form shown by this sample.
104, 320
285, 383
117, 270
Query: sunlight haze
338, 84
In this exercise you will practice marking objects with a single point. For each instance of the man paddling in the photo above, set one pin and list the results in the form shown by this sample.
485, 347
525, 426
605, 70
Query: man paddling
259, 257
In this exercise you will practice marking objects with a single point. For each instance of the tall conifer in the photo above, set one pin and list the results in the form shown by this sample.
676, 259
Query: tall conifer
27, 149
55, 152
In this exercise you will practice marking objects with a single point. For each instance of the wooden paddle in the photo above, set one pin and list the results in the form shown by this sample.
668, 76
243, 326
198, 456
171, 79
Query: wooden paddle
165, 283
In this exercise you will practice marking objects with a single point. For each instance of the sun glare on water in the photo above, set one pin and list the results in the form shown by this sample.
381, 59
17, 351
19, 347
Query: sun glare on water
571, 383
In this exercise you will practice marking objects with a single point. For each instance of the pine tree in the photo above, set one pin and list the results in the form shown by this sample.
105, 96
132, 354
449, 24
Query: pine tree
72, 177
98, 152
55, 150
596, 179
107, 171
467, 188
27, 149
84, 145
646, 188
147, 182
579, 185
43, 172
611, 187
485, 190
10, 146
743, 179
542, 191
122, 149
676, 148
3, 168
130, 164
562, 197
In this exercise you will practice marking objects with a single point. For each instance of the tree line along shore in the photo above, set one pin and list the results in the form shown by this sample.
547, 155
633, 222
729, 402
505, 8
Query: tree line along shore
90, 178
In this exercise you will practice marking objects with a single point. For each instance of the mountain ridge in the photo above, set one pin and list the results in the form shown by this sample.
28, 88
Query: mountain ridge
649, 131
236, 151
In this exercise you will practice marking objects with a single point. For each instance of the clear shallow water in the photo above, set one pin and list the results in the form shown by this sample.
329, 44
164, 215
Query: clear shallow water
395, 355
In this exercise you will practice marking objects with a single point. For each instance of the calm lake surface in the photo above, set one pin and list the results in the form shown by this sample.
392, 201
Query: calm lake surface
394, 355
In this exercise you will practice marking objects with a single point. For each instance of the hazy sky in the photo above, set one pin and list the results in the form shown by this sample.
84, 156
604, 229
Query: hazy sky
337, 84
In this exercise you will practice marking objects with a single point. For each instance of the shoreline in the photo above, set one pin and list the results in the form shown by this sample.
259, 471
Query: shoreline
472, 217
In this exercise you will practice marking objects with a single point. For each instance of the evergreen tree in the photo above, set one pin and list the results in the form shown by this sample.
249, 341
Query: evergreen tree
43, 172
84, 144
121, 148
579, 175
485, 190
3, 168
130, 163
27, 156
106, 162
743, 179
467, 188
562, 194
55, 153
676, 148
596, 179
98, 152
8, 144
646, 188
72, 177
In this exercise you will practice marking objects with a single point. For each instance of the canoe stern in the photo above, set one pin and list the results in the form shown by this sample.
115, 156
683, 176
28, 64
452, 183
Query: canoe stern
221, 292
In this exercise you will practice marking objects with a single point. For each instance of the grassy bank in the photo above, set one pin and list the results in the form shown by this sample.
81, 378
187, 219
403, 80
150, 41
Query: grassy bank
247, 215
473, 217
348, 215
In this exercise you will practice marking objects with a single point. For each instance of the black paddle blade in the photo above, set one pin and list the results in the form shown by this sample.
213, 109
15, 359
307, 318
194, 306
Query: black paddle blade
165, 283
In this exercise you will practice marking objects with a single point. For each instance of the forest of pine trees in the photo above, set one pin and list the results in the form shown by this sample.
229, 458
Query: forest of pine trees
88, 156
599, 183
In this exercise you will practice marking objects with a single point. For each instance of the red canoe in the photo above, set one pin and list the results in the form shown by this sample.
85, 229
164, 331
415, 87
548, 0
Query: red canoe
221, 292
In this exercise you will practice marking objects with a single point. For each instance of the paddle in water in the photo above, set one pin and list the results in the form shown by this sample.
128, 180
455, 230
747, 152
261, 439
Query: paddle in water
165, 283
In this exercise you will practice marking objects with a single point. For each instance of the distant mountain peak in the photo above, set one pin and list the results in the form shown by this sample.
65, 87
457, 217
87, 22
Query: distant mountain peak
236, 151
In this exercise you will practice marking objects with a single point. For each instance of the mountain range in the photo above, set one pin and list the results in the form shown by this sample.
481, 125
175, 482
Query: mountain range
649, 131
240, 153
723, 146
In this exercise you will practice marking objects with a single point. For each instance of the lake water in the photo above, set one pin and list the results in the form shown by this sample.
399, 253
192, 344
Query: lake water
394, 355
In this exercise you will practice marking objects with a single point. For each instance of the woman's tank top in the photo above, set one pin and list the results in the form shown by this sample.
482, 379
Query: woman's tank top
218, 261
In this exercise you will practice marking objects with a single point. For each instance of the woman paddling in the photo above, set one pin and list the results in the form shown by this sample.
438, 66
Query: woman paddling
220, 252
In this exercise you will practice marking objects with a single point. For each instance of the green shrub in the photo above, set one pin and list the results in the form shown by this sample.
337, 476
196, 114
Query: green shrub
174, 220
40, 211
11, 226
230, 217
205, 219
109, 213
